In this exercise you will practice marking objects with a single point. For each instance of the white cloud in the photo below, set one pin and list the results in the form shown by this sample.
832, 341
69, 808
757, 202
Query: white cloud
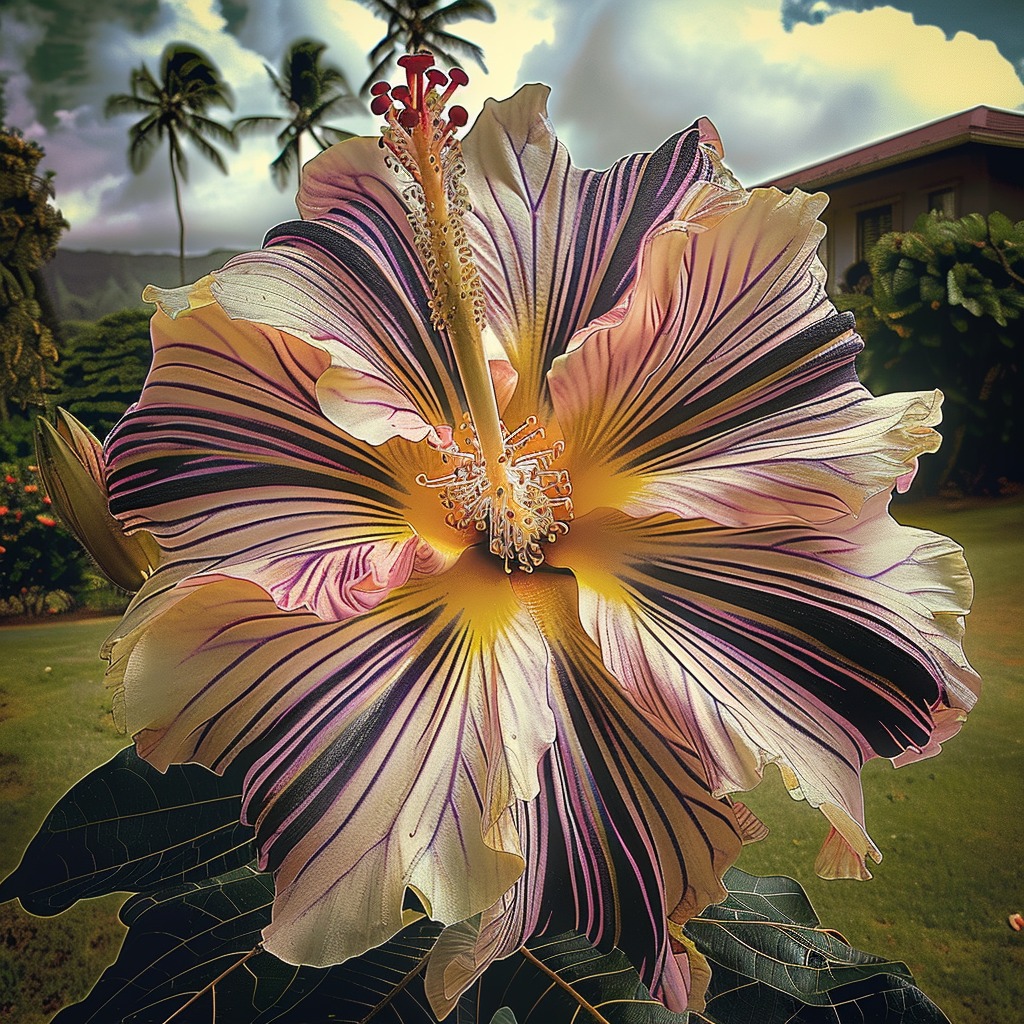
780, 99
624, 78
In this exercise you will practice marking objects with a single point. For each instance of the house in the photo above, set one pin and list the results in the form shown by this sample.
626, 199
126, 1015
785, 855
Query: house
971, 162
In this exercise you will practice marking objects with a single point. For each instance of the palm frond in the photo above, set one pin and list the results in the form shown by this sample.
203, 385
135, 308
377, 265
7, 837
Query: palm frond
386, 45
142, 143
206, 126
245, 127
335, 135
377, 71
142, 80
283, 164
125, 103
210, 152
443, 42
336, 104
459, 10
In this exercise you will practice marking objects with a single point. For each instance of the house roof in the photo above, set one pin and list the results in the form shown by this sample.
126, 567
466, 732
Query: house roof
979, 124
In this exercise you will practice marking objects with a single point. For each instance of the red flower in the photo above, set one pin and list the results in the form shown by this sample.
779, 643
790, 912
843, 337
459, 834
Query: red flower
10, 479
46, 520
31, 488
4, 510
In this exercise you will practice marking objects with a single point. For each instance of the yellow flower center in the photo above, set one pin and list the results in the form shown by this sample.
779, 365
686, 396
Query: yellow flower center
502, 482
528, 505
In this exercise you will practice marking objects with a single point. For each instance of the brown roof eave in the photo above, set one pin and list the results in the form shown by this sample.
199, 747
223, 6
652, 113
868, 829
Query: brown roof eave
846, 167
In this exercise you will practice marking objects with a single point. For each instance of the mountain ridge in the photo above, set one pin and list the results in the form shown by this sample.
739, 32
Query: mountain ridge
86, 284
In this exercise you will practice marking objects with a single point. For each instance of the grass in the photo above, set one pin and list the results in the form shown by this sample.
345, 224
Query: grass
948, 827
55, 726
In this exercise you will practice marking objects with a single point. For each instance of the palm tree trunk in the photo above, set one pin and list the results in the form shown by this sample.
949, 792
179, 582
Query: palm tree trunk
298, 161
181, 220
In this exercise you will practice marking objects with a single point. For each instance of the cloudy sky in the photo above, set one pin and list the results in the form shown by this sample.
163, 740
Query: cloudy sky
787, 82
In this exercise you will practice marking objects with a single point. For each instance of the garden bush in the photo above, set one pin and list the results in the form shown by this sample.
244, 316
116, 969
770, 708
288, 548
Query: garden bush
41, 564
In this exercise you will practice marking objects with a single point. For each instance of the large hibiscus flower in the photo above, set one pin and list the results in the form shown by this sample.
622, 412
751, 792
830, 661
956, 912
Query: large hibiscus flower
510, 517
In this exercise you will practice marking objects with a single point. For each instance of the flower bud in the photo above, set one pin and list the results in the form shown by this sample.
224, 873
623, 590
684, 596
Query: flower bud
71, 465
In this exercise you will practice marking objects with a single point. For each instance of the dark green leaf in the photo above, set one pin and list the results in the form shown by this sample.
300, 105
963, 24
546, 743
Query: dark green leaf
763, 898
128, 828
607, 981
770, 962
182, 940
504, 1016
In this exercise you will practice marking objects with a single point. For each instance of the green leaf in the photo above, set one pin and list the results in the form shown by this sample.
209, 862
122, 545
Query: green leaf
606, 981
126, 827
771, 962
192, 939
504, 1016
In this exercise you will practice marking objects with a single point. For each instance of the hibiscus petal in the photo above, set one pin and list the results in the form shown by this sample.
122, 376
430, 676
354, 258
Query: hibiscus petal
627, 833
557, 246
624, 835
229, 461
347, 279
387, 752
724, 388
815, 648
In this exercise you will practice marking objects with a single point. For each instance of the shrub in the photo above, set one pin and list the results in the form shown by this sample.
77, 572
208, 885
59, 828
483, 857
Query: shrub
946, 308
41, 564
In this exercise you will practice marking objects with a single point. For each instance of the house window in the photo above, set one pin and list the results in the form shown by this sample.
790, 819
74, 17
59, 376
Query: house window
871, 225
943, 200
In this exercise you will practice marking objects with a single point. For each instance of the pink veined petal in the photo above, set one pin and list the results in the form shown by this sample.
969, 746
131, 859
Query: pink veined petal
623, 836
228, 460
813, 647
336, 582
390, 752
557, 246
724, 388
347, 280
630, 827
375, 411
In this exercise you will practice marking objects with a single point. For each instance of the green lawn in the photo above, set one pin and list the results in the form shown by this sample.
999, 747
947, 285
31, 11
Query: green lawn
55, 726
948, 827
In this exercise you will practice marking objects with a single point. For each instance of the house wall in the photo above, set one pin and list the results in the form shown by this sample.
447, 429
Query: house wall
984, 180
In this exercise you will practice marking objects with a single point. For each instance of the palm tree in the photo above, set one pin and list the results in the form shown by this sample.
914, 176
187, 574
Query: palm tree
415, 25
176, 108
311, 91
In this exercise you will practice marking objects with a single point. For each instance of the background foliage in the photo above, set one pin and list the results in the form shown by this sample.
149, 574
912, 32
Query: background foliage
104, 366
30, 227
40, 564
946, 309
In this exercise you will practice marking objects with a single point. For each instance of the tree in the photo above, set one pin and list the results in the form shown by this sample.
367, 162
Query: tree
415, 25
30, 228
104, 368
946, 309
311, 92
176, 108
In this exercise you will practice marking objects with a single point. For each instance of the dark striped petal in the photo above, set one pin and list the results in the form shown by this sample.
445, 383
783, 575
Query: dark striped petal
626, 833
724, 387
557, 246
813, 647
347, 279
229, 461
387, 751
